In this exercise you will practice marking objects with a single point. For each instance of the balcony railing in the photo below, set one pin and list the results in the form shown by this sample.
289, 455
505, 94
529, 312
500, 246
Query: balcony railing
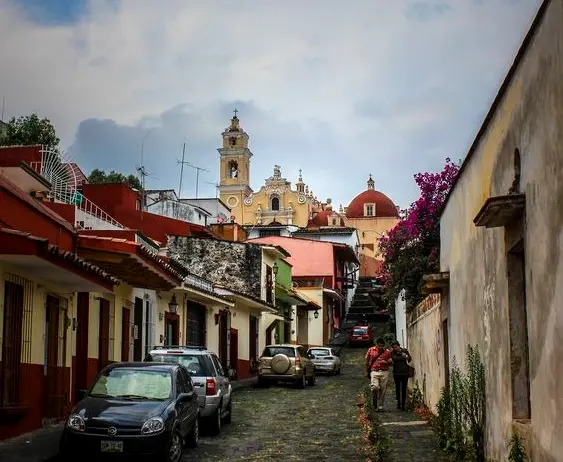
199, 282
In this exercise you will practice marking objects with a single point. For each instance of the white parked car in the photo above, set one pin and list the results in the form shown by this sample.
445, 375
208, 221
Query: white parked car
325, 360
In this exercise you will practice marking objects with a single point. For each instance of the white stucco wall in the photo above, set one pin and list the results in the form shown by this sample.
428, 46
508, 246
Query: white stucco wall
528, 118
401, 321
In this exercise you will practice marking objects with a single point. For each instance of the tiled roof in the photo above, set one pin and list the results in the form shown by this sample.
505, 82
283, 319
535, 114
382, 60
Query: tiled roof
145, 251
7, 185
62, 254
326, 230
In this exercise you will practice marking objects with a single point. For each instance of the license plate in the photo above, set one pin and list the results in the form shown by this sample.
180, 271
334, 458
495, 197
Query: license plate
112, 446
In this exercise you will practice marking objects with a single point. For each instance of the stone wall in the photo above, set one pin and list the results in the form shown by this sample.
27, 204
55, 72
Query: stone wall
233, 265
424, 332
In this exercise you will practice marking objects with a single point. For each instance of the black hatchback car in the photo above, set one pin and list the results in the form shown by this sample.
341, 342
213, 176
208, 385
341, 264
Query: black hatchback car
134, 409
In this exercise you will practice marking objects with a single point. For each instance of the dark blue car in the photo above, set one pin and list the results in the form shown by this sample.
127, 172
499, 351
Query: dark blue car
134, 409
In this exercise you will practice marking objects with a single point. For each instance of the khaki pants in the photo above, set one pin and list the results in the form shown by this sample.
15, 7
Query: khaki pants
378, 384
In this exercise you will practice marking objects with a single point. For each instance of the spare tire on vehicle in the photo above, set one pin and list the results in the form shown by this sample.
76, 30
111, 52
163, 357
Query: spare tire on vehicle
280, 364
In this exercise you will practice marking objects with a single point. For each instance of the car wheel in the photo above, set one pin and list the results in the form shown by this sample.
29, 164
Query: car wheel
174, 453
338, 371
215, 421
193, 438
311, 381
227, 418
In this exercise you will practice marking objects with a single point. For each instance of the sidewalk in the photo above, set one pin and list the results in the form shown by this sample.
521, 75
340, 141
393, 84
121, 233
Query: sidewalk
43, 445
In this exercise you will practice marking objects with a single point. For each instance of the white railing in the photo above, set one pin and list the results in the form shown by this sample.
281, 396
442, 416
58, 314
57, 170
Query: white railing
199, 282
92, 216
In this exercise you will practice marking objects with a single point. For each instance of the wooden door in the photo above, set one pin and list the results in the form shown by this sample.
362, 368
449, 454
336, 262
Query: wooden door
82, 318
253, 338
103, 343
11, 344
125, 333
224, 339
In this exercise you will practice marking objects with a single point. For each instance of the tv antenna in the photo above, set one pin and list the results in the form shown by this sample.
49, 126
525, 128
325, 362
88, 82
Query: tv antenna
198, 169
216, 186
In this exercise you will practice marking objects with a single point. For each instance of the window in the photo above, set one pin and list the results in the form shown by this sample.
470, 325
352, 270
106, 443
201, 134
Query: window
122, 381
275, 203
270, 352
369, 210
270, 232
232, 169
193, 363
188, 384
218, 366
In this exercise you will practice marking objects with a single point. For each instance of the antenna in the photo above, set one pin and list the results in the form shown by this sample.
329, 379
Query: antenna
198, 169
182, 171
3, 107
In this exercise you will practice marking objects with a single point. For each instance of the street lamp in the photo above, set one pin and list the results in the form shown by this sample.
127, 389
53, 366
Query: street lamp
173, 305
275, 268
316, 314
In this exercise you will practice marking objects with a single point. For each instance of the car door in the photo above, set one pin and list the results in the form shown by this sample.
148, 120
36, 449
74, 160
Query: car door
192, 405
223, 382
181, 405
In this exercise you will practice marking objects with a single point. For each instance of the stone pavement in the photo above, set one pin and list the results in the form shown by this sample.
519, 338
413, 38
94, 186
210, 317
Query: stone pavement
410, 438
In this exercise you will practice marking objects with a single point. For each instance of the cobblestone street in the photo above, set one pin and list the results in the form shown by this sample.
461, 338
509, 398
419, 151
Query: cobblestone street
318, 423
282, 423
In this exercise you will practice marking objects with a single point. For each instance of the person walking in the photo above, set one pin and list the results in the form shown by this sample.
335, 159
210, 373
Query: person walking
400, 357
377, 362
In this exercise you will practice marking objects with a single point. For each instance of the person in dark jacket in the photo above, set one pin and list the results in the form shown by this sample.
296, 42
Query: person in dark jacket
401, 357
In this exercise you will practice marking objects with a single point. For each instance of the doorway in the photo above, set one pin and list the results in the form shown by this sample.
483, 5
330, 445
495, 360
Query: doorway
82, 318
125, 333
138, 330
224, 338
11, 344
171, 329
56, 393
103, 340
234, 353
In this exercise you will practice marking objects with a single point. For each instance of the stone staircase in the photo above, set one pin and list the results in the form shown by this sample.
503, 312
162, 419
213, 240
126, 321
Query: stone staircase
363, 307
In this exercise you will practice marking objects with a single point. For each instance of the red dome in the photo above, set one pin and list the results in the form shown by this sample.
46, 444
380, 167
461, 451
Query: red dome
324, 218
384, 207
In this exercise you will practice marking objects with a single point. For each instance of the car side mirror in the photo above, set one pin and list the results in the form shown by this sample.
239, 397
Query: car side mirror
81, 394
186, 397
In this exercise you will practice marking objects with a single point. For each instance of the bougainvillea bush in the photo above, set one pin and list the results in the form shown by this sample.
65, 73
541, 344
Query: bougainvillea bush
411, 249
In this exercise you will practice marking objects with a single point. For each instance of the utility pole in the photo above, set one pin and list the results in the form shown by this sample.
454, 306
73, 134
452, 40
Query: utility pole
182, 171
141, 169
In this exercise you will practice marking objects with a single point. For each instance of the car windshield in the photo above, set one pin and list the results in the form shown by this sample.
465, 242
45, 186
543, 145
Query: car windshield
319, 352
270, 352
194, 363
360, 331
131, 383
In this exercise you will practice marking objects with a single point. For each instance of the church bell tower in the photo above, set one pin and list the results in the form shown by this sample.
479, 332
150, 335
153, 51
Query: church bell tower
234, 168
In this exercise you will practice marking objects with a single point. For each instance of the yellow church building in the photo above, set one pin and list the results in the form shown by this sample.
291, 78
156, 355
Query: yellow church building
276, 202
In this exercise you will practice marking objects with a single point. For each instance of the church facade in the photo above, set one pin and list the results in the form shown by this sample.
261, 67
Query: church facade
275, 203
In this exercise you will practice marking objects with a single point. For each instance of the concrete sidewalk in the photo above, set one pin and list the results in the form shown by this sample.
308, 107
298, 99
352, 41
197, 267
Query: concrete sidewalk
43, 445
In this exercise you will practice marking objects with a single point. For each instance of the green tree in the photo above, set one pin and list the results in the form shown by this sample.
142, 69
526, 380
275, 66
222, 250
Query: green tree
30, 130
98, 176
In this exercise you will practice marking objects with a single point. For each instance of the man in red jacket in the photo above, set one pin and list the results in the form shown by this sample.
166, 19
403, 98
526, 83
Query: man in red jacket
377, 362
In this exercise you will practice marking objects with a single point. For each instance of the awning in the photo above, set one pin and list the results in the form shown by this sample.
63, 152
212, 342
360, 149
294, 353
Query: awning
129, 261
333, 294
290, 297
37, 259
251, 303
311, 305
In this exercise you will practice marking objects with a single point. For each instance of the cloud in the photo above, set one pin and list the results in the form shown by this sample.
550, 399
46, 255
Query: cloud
388, 88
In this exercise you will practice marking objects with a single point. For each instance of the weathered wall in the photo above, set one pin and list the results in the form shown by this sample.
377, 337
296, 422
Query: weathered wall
401, 321
232, 265
424, 332
528, 118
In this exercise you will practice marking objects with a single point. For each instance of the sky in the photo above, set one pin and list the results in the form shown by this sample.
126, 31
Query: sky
338, 89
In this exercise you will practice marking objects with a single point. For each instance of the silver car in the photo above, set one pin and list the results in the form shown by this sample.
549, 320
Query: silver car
210, 381
325, 359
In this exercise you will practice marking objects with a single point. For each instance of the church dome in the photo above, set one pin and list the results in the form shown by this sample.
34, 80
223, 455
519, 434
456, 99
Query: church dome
325, 218
372, 204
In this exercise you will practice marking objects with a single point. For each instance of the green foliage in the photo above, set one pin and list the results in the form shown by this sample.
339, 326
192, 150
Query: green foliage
460, 422
99, 176
375, 437
30, 130
517, 449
